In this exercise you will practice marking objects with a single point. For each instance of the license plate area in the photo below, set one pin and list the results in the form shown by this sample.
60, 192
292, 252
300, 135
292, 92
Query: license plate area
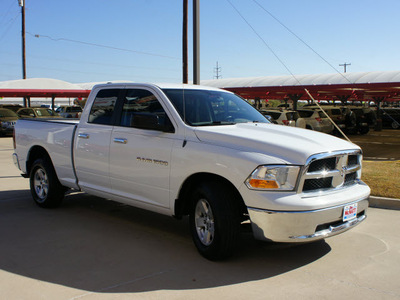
349, 212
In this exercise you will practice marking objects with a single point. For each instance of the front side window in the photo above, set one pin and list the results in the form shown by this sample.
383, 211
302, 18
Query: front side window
143, 110
26, 112
103, 107
292, 115
205, 108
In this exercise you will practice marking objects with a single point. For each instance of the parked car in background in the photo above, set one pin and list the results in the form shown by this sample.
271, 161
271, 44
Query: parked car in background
69, 111
316, 120
365, 119
334, 112
37, 112
391, 118
344, 118
285, 117
13, 107
7, 121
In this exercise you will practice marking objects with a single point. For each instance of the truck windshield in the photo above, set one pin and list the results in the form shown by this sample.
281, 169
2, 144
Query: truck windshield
211, 108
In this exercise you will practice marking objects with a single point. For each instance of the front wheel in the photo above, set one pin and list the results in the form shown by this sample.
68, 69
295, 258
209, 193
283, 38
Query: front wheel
214, 220
45, 188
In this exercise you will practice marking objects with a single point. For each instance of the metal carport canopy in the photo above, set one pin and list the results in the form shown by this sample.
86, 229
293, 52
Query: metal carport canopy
357, 85
41, 87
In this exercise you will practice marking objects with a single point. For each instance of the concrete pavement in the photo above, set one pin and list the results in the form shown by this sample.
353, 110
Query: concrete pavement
91, 248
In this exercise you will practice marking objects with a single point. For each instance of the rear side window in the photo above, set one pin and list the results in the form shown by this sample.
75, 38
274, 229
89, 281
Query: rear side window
103, 107
305, 114
274, 115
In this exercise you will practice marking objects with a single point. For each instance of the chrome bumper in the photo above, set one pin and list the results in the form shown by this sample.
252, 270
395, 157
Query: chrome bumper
303, 226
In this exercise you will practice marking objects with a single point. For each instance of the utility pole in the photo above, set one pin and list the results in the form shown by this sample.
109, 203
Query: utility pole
345, 65
196, 42
217, 70
185, 43
22, 4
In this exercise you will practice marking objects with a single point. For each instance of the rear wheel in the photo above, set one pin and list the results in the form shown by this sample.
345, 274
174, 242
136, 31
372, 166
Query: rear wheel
364, 130
301, 123
214, 220
46, 190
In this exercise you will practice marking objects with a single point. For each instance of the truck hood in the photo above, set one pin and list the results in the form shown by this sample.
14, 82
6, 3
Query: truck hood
288, 144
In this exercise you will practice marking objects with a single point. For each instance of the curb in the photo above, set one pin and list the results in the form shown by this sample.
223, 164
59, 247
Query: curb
382, 202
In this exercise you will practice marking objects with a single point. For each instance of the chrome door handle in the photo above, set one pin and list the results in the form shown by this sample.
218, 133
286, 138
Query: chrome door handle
120, 140
83, 135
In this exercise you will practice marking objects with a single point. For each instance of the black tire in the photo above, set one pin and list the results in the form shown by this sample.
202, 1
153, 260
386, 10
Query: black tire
46, 190
214, 220
364, 130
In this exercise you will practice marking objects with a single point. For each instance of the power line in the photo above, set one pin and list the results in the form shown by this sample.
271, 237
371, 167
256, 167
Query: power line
301, 40
10, 23
101, 46
7, 11
265, 43
34, 69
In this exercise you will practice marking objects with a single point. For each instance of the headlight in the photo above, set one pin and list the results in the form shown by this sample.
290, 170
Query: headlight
282, 178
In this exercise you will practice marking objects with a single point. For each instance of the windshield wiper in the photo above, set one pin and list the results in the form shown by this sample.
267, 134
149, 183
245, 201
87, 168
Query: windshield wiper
223, 123
216, 123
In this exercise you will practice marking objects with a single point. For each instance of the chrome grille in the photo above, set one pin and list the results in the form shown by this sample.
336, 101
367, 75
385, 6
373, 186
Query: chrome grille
322, 164
331, 171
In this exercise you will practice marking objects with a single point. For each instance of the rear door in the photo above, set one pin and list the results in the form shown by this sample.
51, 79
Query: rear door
92, 146
140, 155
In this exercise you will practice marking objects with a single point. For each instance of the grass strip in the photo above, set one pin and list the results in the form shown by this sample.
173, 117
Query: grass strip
382, 177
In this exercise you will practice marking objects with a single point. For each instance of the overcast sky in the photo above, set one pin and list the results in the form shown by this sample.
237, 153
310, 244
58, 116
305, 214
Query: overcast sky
141, 40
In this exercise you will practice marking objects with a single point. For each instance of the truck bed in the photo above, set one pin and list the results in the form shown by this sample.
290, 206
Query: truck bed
55, 135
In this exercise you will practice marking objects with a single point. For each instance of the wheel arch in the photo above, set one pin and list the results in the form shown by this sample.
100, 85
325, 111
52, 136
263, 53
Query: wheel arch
182, 204
34, 153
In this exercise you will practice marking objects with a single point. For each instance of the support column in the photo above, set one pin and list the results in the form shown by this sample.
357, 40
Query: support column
257, 102
343, 98
378, 101
53, 102
295, 98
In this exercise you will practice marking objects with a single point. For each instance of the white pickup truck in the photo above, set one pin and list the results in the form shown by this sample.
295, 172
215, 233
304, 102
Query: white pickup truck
190, 150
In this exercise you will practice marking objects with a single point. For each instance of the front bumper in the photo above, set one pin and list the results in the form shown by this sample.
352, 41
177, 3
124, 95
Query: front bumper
303, 226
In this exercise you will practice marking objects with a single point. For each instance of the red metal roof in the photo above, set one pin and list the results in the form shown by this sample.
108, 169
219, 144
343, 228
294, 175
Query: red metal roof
45, 93
356, 86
